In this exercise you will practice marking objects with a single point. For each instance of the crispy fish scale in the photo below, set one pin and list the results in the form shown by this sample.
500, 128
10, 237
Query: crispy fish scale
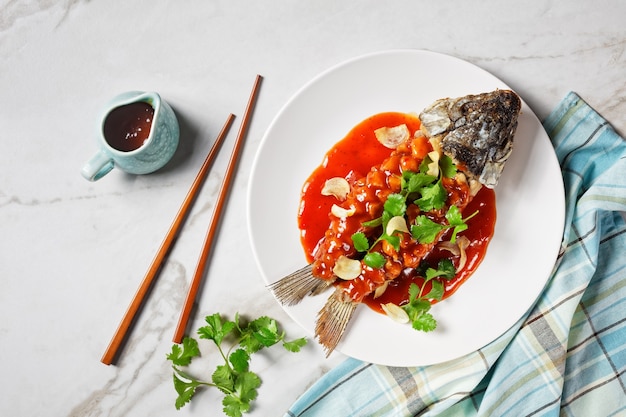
476, 131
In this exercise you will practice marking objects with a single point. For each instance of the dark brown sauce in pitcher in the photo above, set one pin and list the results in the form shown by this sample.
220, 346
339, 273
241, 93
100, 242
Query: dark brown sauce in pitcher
127, 127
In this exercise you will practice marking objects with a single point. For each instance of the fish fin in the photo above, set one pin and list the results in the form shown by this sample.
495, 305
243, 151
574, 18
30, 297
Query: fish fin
291, 289
333, 319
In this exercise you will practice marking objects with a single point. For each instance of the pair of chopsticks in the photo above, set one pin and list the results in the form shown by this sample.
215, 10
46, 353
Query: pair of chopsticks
151, 274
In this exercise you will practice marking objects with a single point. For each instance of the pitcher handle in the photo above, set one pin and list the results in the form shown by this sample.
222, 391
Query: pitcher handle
98, 166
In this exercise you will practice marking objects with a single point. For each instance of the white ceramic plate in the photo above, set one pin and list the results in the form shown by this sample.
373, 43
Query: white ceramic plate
530, 204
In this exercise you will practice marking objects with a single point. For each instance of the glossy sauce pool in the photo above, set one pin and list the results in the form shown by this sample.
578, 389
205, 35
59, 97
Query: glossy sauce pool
353, 157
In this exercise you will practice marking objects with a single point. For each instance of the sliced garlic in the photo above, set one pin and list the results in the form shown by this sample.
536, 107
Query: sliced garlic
435, 155
463, 242
396, 312
337, 187
457, 249
397, 223
435, 142
346, 268
475, 186
433, 167
391, 137
381, 290
341, 212
453, 248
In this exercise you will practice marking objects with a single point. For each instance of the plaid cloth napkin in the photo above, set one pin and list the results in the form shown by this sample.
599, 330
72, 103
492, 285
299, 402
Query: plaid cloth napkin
568, 356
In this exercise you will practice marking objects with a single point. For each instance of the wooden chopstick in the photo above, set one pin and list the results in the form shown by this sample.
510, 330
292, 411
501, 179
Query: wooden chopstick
140, 295
200, 269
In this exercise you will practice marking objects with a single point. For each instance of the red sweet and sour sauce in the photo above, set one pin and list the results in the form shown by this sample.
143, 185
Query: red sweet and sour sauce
352, 158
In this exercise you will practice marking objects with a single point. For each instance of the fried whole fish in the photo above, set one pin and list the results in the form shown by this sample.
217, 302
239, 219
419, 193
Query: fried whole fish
476, 132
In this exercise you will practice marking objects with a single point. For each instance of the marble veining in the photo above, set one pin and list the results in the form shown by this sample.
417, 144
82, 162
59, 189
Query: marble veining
15, 10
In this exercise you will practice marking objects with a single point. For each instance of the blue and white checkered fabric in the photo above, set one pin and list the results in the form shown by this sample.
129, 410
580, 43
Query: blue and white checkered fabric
568, 356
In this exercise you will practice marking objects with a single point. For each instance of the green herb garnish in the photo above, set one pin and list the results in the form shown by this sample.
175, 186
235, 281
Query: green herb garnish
433, 197
374, 260
395, 205
234, 377
428, 193
425, 230
419, 304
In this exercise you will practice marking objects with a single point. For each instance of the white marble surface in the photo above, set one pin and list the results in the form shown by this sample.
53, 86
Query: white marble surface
72, 253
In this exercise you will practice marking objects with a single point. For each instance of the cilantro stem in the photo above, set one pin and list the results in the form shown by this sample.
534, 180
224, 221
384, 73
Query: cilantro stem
233, 378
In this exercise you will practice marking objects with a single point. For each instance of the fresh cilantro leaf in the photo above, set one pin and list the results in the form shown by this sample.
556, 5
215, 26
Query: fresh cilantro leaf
249, 342
447, 167
224, 378
387, 215
417, 307
294, 345
233, 407
456, 230
424, 322
373, 223
395, 205
216, 330
414, 292
436, 291
360, 242
183, 356
425, 230
412, 182
455, 219
433, 197
253, 335
454, 216
431, 273
246, 386
374, 260
417, 310
185, 390
393, 240
445, 269
240, 360
267, 334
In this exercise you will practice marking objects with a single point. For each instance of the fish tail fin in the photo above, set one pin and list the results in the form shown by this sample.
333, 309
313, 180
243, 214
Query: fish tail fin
291, 289
333, 319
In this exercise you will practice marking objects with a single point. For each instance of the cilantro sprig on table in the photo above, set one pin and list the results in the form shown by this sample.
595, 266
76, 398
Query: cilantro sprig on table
234, 377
